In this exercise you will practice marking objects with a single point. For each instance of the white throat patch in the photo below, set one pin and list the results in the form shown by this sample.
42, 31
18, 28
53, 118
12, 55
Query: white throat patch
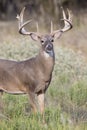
46, 55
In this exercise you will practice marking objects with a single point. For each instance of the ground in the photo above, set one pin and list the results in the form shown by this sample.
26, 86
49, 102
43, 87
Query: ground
66, 97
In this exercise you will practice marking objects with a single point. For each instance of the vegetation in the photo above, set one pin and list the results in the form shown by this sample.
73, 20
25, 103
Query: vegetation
46, 9
66, 97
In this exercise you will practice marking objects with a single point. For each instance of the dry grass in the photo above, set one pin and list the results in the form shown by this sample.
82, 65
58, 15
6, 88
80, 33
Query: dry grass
66, 98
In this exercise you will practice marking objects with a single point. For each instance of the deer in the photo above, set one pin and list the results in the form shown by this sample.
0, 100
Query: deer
32, 76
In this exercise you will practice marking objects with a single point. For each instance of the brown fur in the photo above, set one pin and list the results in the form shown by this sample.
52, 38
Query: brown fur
31, 76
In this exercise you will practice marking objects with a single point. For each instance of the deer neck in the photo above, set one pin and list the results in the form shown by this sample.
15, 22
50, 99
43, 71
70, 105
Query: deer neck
46, 61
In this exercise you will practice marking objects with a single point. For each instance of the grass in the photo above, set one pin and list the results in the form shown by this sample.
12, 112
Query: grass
66, 97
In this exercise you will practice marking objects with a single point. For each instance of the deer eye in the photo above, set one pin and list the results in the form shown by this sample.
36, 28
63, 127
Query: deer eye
42, 41
52, 40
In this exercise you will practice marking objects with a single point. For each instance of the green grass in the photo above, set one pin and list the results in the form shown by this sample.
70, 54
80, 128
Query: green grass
66, 98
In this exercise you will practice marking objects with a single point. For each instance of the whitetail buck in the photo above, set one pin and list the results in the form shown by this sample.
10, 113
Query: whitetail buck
32, 76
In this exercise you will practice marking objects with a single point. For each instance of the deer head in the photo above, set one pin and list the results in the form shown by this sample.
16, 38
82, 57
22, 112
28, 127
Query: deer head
47, 39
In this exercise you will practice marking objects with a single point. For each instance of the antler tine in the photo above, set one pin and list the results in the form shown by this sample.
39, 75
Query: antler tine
70, 15
21, 24
21, 16
64, 16
37, 27
51, 26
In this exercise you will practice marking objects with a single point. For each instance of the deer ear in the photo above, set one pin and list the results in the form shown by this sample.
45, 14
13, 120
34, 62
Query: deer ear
34, 36
57, 35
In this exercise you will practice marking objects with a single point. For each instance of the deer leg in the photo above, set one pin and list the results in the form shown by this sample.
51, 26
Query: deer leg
33, 101
1, 102
41, 104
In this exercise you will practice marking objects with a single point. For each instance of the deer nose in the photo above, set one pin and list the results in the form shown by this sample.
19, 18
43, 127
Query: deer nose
49, 47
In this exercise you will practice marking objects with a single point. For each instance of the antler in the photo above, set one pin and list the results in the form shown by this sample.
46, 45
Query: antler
34, 35
21, 26
67, 23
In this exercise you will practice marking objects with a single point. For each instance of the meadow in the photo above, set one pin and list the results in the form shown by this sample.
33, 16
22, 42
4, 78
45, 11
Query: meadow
66, 97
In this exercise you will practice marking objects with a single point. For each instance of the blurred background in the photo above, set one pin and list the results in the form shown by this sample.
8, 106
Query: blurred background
66, 98
43, 12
